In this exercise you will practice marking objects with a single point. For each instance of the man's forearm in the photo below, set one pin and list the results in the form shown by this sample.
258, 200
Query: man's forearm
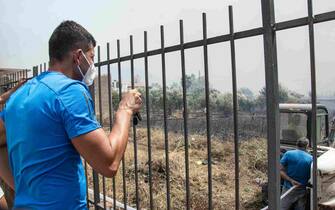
285, 176
5, 172
4, 97
119, 136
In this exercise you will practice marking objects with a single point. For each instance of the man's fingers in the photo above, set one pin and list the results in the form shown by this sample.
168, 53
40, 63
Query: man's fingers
132, 100
134, 91
138, 100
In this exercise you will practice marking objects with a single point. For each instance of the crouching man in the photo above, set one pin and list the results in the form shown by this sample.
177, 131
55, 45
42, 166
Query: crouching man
295, 170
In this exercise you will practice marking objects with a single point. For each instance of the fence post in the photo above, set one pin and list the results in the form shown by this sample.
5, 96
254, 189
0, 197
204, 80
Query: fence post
35, 71
272, 106
96, 189
314, 103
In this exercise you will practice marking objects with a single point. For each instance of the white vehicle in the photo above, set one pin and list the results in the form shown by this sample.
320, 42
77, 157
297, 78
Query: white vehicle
296, 122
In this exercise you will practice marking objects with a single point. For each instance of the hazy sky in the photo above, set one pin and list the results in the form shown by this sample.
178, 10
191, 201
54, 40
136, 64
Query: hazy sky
26, 25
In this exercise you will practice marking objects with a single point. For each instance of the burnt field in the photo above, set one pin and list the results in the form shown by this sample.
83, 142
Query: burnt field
253, 166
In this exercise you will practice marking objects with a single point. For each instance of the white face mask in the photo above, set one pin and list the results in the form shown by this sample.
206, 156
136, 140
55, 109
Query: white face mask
90, 74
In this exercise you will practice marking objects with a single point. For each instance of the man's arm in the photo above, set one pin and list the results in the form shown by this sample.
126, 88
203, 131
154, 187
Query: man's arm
5, 172
4, 97
284, 175
103, 152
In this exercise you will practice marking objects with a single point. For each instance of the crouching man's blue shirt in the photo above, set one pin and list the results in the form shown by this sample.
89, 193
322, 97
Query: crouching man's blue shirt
298, 166
41, 118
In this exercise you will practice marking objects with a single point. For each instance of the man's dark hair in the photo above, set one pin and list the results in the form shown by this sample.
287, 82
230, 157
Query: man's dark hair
68, 36
302, 143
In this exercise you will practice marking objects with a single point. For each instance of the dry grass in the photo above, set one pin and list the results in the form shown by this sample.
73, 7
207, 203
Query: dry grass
252, 172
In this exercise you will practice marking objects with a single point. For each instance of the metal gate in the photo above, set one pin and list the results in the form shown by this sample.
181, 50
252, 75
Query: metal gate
97, 196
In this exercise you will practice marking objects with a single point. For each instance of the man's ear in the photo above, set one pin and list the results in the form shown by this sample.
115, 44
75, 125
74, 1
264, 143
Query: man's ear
76, 56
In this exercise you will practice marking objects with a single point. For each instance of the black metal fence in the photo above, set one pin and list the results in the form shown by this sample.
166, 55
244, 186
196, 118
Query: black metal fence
102, 192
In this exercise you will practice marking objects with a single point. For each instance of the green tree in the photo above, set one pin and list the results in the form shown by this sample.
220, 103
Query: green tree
285, 96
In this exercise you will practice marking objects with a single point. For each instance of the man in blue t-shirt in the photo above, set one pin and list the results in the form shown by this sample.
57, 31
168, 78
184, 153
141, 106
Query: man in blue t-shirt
50, 122
295, 170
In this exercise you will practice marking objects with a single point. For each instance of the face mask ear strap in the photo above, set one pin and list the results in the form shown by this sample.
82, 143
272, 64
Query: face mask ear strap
82, 52
80, 71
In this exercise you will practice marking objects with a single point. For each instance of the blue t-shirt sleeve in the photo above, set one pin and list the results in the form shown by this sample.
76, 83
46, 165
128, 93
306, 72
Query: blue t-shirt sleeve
284, 160
77, 111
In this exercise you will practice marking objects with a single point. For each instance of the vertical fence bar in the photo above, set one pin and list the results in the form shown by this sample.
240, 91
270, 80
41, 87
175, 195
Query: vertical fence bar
313, 94
166, 134
101, 121
41, 70
15, 78
120, 97
148, 115
185, 114
96, 189
272, 103
35, 71
110, 109
96, 193
110, 113
9, 81
12, 80
235, 109
87, 196
208, 120
45, 66
134, 127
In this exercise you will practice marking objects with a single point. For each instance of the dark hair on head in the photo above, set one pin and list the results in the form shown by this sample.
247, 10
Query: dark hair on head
68, 36
302, 142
